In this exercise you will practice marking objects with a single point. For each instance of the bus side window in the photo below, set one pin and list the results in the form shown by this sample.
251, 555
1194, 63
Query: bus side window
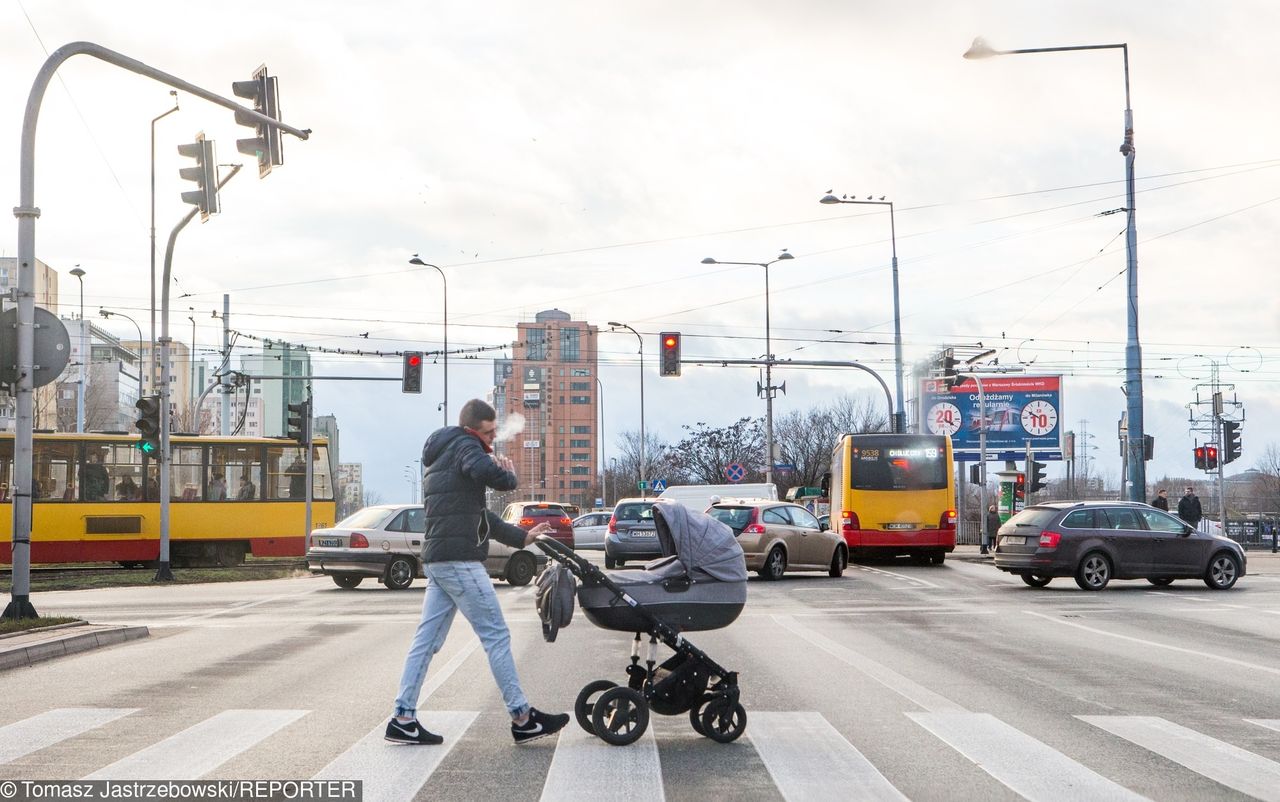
6, 470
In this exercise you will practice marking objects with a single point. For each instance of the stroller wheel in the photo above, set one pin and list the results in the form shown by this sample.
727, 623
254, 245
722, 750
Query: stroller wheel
695, 715
585, 704
620, 716
723, 721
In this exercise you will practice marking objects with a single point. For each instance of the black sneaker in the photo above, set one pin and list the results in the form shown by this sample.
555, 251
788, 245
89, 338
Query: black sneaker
411, 733
539, 725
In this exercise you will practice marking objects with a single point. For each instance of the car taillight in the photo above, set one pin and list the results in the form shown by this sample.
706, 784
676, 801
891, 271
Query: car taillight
526, 522
359, 541
613, 525
1049, 540
566, 522
948, 520
754, 527
849, 522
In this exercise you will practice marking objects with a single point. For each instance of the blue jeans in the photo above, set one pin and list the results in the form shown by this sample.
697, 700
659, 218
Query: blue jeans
465, 586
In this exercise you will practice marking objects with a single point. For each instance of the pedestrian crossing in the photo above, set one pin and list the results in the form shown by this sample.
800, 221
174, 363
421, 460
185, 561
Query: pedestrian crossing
806, 757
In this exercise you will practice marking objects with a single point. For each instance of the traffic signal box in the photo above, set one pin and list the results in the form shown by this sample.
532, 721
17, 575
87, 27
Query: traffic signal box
1038, 482
265, 144
1231, 444
204, 172
1020, 490
300, 422
411, 372
1211, 458
669, 353
950, 377
148, 424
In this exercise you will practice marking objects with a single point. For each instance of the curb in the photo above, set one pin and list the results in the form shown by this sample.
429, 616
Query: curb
50, 648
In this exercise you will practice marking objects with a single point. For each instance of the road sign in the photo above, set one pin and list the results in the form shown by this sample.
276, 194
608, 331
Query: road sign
641, 485
659, 485
781, 466
51, 349
735, 472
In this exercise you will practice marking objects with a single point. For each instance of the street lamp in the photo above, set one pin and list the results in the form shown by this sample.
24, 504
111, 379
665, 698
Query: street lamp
192, 361
768, 358
151, 361
1137, 467
84, 356
416, 261
600, 438
899, 415
643, 476
106, 313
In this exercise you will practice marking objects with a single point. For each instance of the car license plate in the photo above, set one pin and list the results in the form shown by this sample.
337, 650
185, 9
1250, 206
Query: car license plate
899, 526
1014, 540
644, 532
329, 542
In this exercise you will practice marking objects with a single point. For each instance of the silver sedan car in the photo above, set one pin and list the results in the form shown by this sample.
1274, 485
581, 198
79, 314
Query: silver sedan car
589, 530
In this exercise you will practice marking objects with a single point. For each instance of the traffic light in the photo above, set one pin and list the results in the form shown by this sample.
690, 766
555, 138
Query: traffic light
300, 422
1037, 477
1200, 457
204, 173
947, 367
1230, 441
148, 424
265, 145
669, 350
1020, 487
411, 375
1211, 458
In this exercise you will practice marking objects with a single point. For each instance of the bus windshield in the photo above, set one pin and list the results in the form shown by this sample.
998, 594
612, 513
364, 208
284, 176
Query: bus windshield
898, 462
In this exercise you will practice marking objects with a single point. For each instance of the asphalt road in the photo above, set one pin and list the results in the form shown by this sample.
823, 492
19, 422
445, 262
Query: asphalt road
929, 683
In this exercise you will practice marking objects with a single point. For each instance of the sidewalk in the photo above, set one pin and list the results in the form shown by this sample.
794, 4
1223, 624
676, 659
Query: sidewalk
25, 648
1258, 561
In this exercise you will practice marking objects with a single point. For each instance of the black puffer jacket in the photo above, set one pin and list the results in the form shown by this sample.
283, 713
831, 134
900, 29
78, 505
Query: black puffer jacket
456, 472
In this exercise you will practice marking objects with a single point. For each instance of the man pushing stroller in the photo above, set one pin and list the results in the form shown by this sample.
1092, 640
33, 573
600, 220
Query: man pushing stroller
458, 465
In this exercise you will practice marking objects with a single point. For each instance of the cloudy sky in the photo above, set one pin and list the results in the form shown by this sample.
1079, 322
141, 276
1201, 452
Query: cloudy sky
587, 156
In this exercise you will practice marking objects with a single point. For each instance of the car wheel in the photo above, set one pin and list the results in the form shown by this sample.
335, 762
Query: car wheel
608, 561
1035, 580
1094, 571
400, 573
520, 569
1160, 581
620, 716
1223, 571
585, 704
775, 565
347, 581
838, 562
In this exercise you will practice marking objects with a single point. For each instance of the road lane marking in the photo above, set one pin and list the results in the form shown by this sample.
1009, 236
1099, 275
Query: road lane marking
33, 734
1269, 723
199, 749
585, 767
397, 771
915, 693
235, 608
801, 752
1219, 761
1157, 644
1028, 767
903, 577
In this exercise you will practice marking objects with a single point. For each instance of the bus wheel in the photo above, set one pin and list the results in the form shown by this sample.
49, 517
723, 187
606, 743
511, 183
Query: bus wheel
937, 557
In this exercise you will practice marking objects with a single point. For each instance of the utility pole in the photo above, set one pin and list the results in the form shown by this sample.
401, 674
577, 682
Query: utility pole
226, 365
1206, 417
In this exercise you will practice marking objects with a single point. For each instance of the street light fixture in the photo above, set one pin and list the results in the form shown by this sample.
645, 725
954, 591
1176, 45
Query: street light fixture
768, 358
899, 412
84, 356
1137, 467
643, 476
417, 261
106, 313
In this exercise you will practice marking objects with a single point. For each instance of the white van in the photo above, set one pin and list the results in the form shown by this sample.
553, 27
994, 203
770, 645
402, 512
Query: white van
699, 497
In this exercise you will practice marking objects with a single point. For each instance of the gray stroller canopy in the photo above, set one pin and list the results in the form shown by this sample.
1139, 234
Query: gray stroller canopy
704, 545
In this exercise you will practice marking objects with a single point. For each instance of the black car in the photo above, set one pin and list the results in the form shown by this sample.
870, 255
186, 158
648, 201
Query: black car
1097, 541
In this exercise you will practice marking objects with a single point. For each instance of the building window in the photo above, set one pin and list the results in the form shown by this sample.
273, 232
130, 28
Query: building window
579, 399
580, 457
570, 345
536, 344
582, 430
579, 385
580, 470
579, 444
579, 485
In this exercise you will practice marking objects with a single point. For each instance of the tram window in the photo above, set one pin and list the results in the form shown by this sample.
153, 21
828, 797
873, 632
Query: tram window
6, 470
185, 472
123, 463
54, 471
286, 473
321, 481
241, 468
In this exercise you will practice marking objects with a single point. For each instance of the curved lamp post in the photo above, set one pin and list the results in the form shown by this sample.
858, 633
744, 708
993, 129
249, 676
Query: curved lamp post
84, 355
643, 476
768, 363
899, 413
417, 261
1137, 467
106, 313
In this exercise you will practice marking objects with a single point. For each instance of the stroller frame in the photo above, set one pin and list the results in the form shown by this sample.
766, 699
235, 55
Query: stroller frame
620, 715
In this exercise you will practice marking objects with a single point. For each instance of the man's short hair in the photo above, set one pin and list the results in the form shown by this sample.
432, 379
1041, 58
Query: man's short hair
1190, 488
476, 412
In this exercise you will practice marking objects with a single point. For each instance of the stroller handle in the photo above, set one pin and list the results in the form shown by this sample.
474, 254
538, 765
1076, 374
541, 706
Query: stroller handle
559, 551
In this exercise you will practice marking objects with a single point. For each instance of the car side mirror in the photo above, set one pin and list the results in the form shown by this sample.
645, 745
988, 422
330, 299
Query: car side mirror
822, 527
1187, 529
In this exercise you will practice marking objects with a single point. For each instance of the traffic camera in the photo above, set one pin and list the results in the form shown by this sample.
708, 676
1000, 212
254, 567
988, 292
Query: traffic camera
1231, 444
148, 424
300, 422
265, 145
411, 372
204, 173
669, 353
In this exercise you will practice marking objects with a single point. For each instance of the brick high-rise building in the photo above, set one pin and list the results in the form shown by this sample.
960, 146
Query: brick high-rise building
551, 382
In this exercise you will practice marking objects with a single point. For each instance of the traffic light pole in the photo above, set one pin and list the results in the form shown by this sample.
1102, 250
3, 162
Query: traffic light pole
311, 459
803, 363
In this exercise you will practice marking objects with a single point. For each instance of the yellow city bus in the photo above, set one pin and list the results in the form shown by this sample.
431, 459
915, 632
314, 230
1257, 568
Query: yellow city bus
894, 494
96, 499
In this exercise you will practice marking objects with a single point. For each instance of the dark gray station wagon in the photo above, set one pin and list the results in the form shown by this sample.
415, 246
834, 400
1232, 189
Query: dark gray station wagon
1097, 541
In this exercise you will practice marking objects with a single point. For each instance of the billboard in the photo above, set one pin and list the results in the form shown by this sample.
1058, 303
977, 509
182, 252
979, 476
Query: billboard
1020, 409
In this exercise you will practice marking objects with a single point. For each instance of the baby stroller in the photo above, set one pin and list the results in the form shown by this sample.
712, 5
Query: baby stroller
700, 584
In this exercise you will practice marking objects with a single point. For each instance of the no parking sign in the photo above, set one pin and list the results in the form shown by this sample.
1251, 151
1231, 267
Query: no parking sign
735, 472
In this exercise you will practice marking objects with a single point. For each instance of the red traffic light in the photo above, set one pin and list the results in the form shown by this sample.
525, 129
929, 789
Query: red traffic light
670, 341
414, 360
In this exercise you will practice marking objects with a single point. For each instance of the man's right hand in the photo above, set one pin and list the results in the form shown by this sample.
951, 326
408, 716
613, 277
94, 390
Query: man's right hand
543, 528
504, 462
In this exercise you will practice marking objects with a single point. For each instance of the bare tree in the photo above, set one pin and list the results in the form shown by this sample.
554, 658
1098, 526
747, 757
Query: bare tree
372, 498
806, 439
657, 457
702, 456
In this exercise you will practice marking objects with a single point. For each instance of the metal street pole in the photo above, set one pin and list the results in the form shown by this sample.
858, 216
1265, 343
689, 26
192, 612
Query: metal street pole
768, 356
600, 439
84, 355
151, 354
643, 467
899, 411
226, 365
416, 261
1137, 467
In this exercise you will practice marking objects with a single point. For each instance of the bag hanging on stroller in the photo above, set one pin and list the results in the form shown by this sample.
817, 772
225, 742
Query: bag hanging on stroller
556, 587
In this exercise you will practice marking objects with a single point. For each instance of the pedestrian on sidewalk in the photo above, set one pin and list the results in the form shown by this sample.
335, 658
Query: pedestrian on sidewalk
1161, 501
1189, 507
992, 525
458, 465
